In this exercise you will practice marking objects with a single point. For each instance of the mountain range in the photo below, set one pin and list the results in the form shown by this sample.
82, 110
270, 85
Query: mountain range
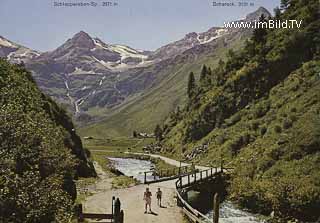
99, 81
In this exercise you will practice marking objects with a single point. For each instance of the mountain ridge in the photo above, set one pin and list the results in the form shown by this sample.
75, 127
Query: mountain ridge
87, 75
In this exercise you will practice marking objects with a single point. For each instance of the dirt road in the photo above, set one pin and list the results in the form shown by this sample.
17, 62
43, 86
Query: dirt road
132, 201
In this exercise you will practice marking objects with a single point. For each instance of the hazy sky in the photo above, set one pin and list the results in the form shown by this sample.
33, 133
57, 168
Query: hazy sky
142, 24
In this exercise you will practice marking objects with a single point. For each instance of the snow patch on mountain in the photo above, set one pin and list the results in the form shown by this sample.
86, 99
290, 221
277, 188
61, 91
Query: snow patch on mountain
101, 81
80, 71
122, 50
6, 43
66, 84
109, 65
126, 52
10, 55
207, 39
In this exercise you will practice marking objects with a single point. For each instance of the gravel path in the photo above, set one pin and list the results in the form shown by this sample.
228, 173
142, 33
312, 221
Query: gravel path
132, 201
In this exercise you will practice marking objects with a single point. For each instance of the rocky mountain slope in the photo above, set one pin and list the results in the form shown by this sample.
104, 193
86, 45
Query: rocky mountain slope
96, 80
152, 106
16, 53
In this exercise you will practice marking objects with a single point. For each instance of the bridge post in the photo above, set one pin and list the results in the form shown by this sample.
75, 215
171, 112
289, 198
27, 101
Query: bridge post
207, 173
117, 208
121, 217
145, 177
186, 196
221, 168
188, 179
200, 175
179, 203
80, 213
216, 204
211, 170
112, 208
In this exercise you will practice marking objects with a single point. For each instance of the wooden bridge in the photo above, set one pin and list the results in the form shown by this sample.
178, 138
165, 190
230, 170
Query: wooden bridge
185, 182
188, 177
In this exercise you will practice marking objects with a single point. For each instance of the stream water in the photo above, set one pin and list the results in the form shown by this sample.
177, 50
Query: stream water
229, 213
133, 167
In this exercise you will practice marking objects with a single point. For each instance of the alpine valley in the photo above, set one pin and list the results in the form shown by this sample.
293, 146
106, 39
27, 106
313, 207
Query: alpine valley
241, 102
109, 84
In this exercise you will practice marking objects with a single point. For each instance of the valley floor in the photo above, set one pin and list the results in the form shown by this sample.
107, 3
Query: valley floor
132, 201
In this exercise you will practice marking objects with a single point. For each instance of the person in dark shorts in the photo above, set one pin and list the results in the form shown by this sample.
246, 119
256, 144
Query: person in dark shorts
159, 196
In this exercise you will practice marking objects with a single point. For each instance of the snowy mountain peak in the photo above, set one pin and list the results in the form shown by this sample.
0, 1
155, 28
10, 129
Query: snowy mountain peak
16, 53
6, 43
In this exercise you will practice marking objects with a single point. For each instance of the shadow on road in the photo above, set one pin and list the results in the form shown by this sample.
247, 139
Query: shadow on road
153, 213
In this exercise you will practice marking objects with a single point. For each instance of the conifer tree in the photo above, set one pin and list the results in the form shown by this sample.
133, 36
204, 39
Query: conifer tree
203, 74
134, 134
191, 85
277, 12
158, 133
284, 4
260, 33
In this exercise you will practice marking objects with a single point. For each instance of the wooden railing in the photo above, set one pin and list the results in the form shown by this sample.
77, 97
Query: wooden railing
117, 215
187, 181
168, 174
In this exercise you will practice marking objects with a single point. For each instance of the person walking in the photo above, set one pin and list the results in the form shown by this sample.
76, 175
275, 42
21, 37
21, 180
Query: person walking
159, 197
147, 198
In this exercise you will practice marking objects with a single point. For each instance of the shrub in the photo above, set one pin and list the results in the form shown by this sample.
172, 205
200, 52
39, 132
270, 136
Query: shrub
254, 126
245, 139
293, 118
286, 124
277, 129
293, 110
235, 145
220, 139
263, 130
260, 111
236, 118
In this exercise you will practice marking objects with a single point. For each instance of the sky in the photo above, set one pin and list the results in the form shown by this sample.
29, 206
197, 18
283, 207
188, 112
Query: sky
141, 24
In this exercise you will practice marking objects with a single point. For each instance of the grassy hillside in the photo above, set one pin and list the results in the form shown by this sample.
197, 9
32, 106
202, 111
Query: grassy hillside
143, 112
41, 154
260, 114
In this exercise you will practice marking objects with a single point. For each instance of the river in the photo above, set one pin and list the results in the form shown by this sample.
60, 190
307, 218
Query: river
133, 167
229, 213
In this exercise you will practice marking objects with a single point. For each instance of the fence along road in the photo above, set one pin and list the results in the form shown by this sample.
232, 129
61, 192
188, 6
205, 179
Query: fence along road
187, 180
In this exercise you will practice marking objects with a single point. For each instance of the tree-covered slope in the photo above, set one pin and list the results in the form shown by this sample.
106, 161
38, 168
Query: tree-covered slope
259, 112
40, 152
